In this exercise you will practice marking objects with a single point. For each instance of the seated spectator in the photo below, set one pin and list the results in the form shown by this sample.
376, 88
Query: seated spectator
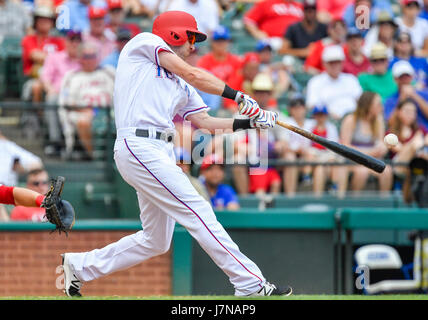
337, 90
410, 22
374, 7
74, 14
220, 62
14, 161
383, 31
242, 79
222, 196
56, 65
403, 75
35, 48
336, 36
116, 16
150, 8
183, 160
300, 35
37, 180
103, 39
355, 61
379, 79
205, 12
403, 50
277, 71
82, 92
14, 20
324, 128
294, 147
403, 123
364, 130
329, 10
122, 38
261, 179
271, 18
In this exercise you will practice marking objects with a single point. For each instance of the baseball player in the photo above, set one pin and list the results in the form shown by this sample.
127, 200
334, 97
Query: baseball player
20, 196
153, 83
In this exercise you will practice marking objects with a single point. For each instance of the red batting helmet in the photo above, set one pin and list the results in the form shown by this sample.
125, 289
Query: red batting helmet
173, 26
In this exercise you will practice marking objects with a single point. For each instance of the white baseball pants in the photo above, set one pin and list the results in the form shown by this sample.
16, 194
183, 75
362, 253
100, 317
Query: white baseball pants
165, 196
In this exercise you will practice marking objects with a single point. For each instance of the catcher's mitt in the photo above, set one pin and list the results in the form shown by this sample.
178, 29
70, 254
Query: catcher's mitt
58, 212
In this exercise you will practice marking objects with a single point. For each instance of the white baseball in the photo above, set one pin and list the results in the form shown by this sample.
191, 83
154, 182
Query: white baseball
391, 140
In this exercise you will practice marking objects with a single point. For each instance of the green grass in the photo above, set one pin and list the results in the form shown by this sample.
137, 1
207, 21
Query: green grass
294, 297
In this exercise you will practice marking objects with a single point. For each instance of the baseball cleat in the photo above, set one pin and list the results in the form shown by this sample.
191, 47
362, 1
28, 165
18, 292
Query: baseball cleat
269, 289
72, 284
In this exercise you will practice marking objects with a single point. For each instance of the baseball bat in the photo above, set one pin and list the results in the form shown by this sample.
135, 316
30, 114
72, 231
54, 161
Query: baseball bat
347, 152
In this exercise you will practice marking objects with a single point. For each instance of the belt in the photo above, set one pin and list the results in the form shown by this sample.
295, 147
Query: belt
165, 136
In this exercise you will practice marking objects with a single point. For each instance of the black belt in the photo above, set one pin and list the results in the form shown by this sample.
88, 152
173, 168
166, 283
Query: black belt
168, 137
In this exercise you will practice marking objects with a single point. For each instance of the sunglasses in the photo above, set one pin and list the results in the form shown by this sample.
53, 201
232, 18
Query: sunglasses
89, 56
191, 37
378, 60
37, 183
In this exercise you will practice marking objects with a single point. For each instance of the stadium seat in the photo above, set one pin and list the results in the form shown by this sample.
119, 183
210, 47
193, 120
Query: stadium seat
379, 261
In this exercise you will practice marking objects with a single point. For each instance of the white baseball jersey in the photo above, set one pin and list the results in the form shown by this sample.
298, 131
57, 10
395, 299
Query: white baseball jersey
147, 95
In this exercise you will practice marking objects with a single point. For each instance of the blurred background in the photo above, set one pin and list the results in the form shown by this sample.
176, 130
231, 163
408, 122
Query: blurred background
348, 70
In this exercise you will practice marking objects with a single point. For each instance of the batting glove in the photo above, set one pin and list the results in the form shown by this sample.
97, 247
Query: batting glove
266, 120
247, 106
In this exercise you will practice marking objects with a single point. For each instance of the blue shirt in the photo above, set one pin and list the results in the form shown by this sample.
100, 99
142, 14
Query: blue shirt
424, 13
421, 68
74, 15
223, 197
111, 60
391, 103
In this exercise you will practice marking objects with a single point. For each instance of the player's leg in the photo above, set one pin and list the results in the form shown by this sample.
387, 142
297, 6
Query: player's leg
153, 240
155, 175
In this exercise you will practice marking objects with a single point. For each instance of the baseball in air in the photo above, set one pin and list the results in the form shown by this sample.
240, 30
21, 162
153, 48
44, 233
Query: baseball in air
391, 140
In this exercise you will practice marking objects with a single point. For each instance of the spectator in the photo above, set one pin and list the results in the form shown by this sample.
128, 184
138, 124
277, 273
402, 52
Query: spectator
277, 71
424, 11
329, 10
337, 90
336, 36
403, 50
296, 147
243, 78
152, 8
222, 196
15, 160
271, 18
364, 130
219, 62
300, 35
74, 14
262, 178
403, 123
383, 31
355, 61
122, 38
324, 128
403, 75
14, 20
380, 79
82, 92
205, 12
417, 27
183, 160
37, 180
35, 48
103, 39
374, 7
116, 16
56, 65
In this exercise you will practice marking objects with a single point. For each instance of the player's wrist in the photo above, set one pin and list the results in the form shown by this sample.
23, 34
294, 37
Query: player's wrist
242, 124
230, 93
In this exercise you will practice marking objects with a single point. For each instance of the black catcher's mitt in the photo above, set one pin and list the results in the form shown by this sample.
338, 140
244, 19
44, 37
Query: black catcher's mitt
58, 212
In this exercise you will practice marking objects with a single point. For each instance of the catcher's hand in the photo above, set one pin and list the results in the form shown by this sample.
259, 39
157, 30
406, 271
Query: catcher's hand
58, 212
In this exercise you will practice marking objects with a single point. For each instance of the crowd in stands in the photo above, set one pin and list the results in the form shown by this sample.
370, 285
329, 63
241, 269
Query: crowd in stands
365, 63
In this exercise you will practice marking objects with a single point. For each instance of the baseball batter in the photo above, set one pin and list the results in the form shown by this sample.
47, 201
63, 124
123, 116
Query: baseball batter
153, 83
